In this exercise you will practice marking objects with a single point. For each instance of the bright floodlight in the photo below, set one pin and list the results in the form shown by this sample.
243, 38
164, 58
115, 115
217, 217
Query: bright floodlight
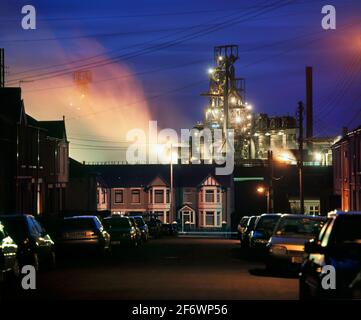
210, 70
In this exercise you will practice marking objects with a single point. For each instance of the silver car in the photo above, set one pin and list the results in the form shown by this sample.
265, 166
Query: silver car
286, 246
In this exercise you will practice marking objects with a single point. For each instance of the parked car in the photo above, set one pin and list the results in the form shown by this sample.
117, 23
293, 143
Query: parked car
121, 230
241, 227
339, 246
155, 227
247, 232
83, 232
143, 227
286, 246
35, 246
138, 232
9, 263
355, 287
262, 232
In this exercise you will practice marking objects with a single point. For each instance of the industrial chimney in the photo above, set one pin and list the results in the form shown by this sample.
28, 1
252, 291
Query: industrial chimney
309, 104
2, 68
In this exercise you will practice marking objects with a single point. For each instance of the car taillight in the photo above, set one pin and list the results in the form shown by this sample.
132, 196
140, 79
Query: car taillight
90, 233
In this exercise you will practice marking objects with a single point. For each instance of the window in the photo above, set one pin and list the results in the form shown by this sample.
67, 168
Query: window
168, 196
218, 196
104, 195
187, 196
135, 196
314, 210
159, 196
188, 216
209, 218
210, 196
97, 196
118, 196
218, 218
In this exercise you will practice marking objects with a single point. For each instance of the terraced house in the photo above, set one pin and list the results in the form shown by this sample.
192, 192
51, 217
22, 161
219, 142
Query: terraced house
201, 199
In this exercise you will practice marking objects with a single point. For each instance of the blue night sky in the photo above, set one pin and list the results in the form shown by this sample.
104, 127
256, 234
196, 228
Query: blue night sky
275, 45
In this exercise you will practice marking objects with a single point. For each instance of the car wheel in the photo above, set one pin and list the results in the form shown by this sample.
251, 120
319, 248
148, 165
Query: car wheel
51, 263
16, 269
35, 261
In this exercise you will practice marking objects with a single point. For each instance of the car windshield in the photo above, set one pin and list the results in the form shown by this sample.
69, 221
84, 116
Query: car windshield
121, 223
251, 222
79, 224
140, 222
16, 228
267, 223
348, 229
299, 227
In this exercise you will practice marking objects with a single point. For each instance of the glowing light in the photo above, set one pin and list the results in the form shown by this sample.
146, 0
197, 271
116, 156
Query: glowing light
249, 117
238, 119
220, 58
233, 100
210, 70
318, 156
261, 190
286, 157
248, 107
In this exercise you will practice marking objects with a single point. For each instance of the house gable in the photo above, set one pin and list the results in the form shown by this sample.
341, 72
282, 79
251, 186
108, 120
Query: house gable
209, 181
157, 182
186, 207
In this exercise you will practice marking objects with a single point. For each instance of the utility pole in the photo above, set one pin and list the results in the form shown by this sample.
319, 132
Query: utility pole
225, 99
2, 68
270, 208
300, 110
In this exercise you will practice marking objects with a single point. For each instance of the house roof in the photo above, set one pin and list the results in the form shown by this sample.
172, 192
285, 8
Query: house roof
11, 105
143, 175
56, 129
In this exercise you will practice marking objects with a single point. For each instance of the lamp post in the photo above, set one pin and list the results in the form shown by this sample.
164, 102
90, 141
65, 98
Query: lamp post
263, 190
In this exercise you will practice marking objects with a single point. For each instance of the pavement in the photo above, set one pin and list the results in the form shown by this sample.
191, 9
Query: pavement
166, 268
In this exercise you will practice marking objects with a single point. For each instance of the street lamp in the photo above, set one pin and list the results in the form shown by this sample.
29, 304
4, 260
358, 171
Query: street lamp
262, 190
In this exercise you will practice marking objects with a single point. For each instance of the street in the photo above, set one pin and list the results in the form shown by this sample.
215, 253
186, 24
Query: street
167, 268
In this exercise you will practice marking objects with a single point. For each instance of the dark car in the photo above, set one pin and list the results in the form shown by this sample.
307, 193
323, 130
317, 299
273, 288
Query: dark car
262, 232
9, 263
121, 230
155, 227
83, 232
242, 227
35, 247
337, 247
247, 232
143, 227
286, 246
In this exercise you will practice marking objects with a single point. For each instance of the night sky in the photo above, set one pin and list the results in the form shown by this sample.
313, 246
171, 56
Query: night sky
140, 78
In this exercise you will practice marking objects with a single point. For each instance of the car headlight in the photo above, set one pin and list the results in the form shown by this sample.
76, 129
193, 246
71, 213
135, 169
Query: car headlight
276, 249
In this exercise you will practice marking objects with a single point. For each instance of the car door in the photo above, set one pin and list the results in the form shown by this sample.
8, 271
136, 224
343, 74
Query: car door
41, 239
